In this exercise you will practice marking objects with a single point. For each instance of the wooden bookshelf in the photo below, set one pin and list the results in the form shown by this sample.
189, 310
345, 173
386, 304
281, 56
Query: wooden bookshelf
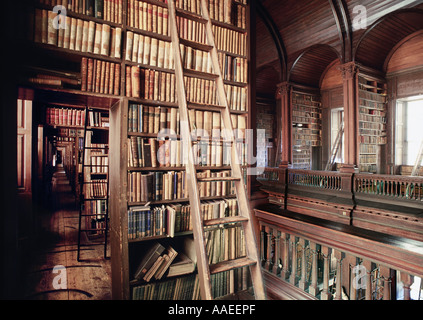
372, 122
306, 128
107, 71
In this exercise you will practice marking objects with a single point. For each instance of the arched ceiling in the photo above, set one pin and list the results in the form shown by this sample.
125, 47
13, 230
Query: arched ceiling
379, 40
310, 65
309, 28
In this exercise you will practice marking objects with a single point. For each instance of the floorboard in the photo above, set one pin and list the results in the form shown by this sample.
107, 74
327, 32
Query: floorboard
56, 246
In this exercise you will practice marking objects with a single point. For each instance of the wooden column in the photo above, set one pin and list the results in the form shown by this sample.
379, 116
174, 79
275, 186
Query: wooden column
350, 85
262, 258
284, 128
369, 285
338, 292
302, 283
294, 260
326, 258
386, 276
313, 286
407, 281
275, 268
269, 248
285, 251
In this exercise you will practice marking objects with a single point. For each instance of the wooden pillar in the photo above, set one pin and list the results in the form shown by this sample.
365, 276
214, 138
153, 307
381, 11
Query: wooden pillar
269, 248
338, 292
294, 260
302, 283
353, 289
326, 258
283, 98
275, 268
350, 87
262, 258
313, 286
386, 276
369, 285
407, 281
285, 251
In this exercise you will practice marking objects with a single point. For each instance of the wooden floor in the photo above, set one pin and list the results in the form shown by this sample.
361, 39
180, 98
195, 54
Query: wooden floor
89, 279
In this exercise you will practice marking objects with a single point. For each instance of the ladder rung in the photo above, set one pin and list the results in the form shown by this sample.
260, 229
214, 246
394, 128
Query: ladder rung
231, 264
226, 220
212, 179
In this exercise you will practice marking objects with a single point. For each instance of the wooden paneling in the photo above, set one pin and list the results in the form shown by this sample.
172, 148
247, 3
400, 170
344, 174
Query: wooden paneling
377, 43
408, 55
266, 80
332, 77
310, 66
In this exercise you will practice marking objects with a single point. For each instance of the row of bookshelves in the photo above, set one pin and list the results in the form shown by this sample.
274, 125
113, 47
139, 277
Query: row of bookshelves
109, 10
148, 50
56, 116
372, 122
100, 76
150, 119
79, 35
167, 220
158, 186
153, 153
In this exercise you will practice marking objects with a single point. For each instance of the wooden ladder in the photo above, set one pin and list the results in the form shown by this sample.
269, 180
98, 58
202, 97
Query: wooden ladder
417, 165
335, 149
205, 270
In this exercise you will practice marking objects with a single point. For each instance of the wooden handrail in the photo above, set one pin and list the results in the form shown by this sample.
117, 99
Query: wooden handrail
393, 186
296, 245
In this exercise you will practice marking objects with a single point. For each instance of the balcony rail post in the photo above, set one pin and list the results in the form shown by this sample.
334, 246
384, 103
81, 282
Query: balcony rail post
313, 286
326, 295
302, 283
276, 262
285, 251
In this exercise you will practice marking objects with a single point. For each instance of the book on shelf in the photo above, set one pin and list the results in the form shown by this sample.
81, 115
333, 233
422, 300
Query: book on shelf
100, 76
150, 84
171, 185
230, 41
185, 261
96, 188
109, 10
147, 261
183, 288
195, 59
228, 11
148, 50
150, 119
79, 35
233, 68
98, 119
148, 17
99, 164
65, 116
191, 30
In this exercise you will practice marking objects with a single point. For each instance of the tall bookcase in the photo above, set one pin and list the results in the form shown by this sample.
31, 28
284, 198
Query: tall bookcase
153, 207
372, 122
306, 128
118, 55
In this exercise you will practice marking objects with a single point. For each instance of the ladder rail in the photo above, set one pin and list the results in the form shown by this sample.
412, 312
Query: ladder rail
194, 198
335, 148
417, 165
82, 199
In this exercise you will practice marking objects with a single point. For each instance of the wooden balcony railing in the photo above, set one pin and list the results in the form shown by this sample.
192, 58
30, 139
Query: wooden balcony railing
398, 187
326, 230
320, 179
318, 261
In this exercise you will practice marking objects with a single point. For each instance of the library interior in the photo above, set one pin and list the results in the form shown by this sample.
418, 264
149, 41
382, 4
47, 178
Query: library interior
212, 150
